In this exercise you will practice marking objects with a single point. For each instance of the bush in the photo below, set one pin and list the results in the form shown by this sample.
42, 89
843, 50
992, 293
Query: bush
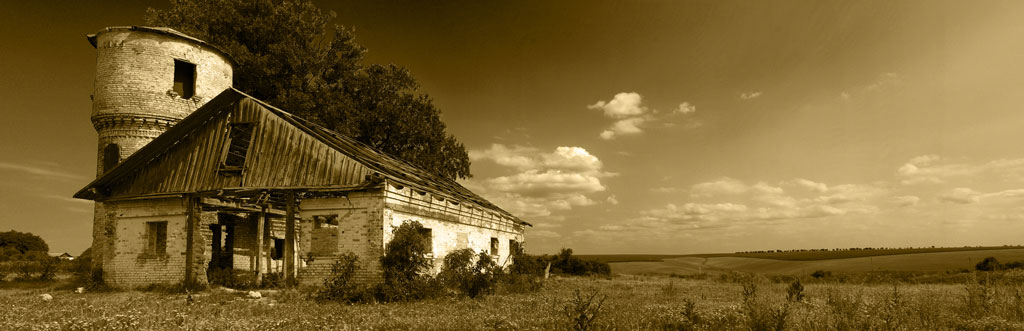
462, 274
406, 265
583, 310
761, 313
795, 291
340, 286
989, 264
819, 274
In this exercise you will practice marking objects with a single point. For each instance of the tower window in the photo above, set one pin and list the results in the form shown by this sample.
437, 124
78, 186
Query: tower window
239, 136
494, 246
184, 79
111, 157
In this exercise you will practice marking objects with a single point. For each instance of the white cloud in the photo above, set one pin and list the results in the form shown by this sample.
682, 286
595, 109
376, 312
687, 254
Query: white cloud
612, 200
906, 200
724, 185
750, 95
623, 105
810, 185
626, 126
961, 195
685, 108
36, 170
544, 182
932, 169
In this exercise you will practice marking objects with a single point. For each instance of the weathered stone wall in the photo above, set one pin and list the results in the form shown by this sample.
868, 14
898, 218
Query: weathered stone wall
360, 231
453, 225
127, 263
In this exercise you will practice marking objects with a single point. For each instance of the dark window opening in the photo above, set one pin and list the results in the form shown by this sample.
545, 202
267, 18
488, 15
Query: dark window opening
278, 252
239, 136
111, 157
494, 246
428, 240
184, 79
324, 236
513, 247
156, 235
325, 221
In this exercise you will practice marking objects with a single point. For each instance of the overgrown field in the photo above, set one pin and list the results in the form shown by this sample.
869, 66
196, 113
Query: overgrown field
800, 255
735, 302
919, 262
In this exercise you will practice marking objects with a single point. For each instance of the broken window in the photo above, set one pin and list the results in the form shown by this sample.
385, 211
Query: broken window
111, 157
428, 239
239, 136
325, 221
513, 247
156, 235
324, 237
278, 252
494, 246
184, 79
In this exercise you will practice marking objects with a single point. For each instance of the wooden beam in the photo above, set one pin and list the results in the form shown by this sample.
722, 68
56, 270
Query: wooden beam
289, 239
259, 245
267, 226
236, 206
191, 219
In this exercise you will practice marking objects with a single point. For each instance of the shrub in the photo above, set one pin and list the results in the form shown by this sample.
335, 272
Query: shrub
795, 291
689, 318
819, 274
462, 274
583, 310
989, 264
405, 266
340, 286
760, 312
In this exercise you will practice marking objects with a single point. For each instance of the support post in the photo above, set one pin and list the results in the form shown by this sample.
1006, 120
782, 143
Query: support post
267, 226
289, 239
191, 219
259, 244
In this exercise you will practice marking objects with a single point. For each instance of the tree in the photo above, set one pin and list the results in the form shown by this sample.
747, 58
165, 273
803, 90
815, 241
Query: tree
289, 54
22, 242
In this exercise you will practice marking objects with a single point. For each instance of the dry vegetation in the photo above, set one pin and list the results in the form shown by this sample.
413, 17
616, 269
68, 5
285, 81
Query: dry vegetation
735, 302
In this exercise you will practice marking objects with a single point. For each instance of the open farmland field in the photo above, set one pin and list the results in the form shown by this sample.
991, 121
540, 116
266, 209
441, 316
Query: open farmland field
806, 255
632, 303
919, 262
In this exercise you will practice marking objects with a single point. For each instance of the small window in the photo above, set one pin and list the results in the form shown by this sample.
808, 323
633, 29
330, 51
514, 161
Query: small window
513, 247
184, 79
239, 136
428, 238
156, 233
494, 246
325, 221
111, 157
278, 252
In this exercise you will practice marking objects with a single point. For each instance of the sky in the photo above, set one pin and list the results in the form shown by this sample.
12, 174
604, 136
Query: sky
655, 127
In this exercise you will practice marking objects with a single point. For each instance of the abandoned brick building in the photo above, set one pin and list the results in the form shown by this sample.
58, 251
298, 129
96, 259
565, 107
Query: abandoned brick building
193, 176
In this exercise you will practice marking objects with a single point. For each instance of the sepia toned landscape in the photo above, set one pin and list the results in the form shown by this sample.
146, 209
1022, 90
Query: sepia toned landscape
512, 165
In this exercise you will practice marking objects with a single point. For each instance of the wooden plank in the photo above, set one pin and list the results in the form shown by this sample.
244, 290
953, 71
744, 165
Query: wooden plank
268, 227
289, 239
259, 244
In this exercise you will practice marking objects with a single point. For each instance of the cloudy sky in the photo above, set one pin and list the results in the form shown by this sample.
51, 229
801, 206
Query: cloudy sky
635, 127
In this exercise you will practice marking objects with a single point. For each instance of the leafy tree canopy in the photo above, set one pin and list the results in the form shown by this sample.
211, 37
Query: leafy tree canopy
22, 242
289, 53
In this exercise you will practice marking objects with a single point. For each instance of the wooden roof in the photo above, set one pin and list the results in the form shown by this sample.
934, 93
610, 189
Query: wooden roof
286, 153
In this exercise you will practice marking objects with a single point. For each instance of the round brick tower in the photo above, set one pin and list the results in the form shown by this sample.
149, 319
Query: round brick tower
147, 79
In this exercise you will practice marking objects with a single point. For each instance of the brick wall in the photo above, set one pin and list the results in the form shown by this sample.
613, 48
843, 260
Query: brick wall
128, 263
360, 231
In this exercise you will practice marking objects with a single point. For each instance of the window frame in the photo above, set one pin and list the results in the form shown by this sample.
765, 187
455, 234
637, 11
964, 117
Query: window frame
188, 84
156, 238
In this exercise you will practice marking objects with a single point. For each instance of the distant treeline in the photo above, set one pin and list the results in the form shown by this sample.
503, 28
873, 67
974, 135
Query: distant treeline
875, 249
